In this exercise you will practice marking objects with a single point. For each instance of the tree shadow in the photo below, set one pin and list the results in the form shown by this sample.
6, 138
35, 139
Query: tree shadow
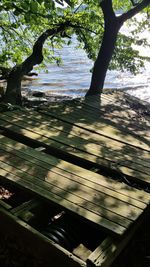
77, 134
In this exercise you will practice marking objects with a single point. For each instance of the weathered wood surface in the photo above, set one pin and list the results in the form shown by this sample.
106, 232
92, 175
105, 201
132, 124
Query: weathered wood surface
103, 201
92, 139
39, 246
87, 116
4, 205
81, 129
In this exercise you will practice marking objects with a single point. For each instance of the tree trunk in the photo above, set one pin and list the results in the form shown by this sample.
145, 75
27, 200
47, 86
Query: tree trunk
104, 56
111, 29
13, 91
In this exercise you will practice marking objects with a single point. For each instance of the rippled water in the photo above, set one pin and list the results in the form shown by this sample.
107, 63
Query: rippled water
73, 76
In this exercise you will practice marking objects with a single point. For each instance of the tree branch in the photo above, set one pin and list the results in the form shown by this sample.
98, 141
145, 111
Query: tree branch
132, 12
36, 57
76, 26
133, 3
78, 7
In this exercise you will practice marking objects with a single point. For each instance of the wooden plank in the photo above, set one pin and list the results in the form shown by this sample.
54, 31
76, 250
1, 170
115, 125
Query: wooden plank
73, 149
108, 205
26, 162
101, 125
74, 172
80, 192
21, 127
110, 248
93, 104
102, 201
139, 132
115, 148
117, 113
108, 252
53, 194
25, 206
120, 153
4, 205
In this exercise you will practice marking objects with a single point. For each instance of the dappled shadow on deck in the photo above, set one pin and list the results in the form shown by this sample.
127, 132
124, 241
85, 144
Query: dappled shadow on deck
108, 137
87, 136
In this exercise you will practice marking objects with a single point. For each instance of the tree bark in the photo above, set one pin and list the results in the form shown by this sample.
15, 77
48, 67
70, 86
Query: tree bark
103, 59
111, 28
13, 90
112, 25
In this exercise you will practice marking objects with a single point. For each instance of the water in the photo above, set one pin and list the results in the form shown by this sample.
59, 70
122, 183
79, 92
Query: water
73, 77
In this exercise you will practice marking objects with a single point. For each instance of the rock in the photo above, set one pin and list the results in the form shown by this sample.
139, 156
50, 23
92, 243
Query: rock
28, 78
38, 94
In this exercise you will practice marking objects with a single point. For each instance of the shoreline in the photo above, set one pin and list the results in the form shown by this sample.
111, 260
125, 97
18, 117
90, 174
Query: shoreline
27, 92
131, 105
52, 95
30, 99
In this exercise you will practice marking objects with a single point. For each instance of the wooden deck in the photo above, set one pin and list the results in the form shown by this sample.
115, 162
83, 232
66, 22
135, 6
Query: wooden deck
89, 137
78, 139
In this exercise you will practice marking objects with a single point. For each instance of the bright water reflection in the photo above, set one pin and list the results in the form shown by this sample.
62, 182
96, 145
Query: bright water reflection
73, 76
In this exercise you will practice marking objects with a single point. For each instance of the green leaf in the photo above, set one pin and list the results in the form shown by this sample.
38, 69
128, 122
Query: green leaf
40, 1
34, 6
49, 4
25, 5
27, 17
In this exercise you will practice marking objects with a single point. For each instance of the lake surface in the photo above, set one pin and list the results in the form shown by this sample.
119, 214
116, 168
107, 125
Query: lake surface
72, 77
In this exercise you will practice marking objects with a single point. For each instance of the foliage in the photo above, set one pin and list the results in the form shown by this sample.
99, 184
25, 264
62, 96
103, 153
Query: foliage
21, 22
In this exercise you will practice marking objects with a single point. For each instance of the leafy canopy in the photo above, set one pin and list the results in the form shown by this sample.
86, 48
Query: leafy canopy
21, 22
